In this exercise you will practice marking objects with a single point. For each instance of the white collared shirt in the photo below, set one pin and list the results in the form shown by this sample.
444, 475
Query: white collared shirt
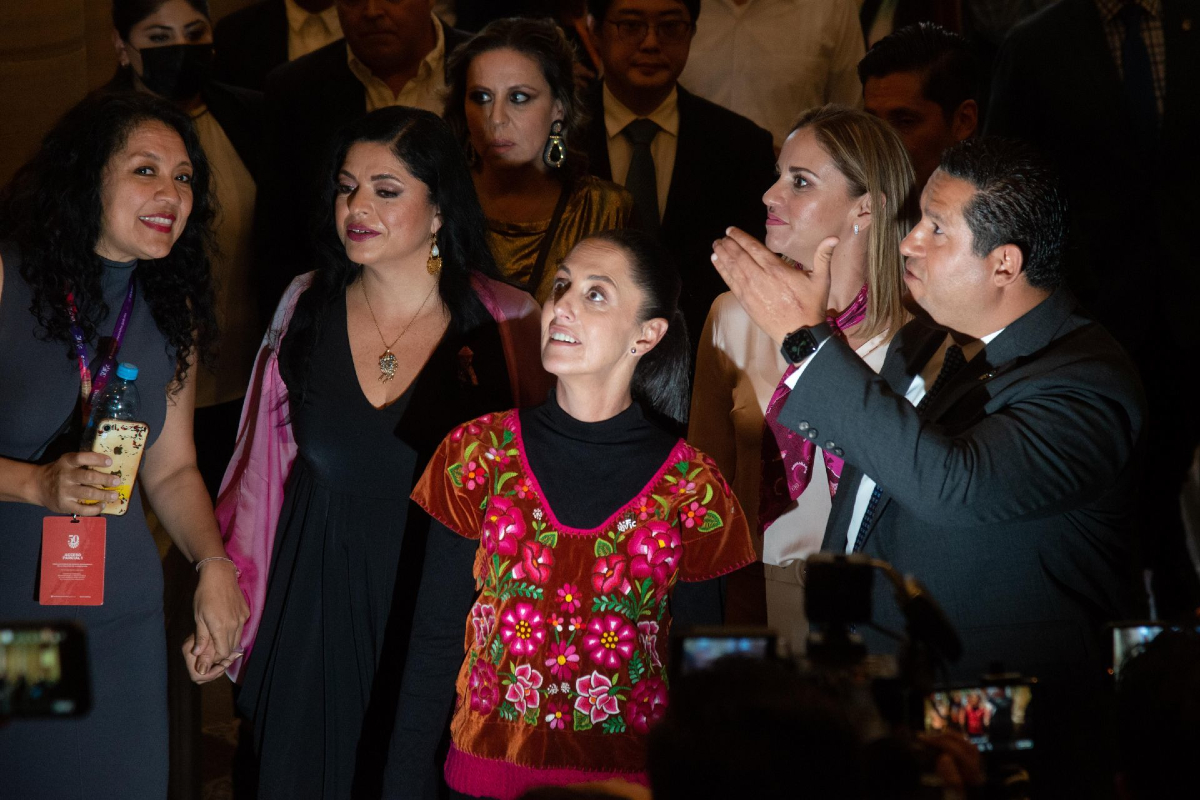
307, 31
770, 60
620, 150
427, 89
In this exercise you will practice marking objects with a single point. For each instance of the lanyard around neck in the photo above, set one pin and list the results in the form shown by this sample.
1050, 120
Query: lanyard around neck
91, 385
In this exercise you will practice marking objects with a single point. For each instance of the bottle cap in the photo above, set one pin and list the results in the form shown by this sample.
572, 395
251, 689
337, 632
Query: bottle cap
127, 371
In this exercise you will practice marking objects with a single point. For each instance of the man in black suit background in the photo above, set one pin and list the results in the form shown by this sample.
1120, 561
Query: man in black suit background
1007, 490
254, 40
394, 53
1118, 110
693, 167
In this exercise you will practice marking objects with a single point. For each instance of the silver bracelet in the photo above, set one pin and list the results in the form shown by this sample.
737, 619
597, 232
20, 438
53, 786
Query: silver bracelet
204, 561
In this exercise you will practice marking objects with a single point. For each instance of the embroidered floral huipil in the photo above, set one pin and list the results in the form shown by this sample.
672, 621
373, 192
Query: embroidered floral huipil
567, 642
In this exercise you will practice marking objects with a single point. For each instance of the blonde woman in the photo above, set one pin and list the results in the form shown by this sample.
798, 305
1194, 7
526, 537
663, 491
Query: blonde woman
841, 173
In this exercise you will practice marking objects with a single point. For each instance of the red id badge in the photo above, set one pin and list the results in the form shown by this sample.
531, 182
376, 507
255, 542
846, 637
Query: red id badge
72, 561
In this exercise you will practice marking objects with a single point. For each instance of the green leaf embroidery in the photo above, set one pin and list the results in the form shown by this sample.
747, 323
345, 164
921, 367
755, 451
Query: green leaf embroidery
712, 521
455, 472
682, 467
614, 725
692, 475
548, 538
508, 712
495, 442
472, 659
582, 721
708, 493
508, 437
503, 479
470, 449
662, 502
497, 651
637, 668
528, 590
531, 716
604, 548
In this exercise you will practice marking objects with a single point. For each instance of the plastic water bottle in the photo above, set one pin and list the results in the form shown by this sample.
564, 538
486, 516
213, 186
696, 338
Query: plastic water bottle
119, 400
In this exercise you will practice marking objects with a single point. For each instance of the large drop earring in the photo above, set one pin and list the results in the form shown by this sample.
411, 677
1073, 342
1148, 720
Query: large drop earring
434, 264
556, 149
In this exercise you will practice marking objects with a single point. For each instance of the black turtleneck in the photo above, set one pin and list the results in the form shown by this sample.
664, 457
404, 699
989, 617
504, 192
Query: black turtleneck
588, 470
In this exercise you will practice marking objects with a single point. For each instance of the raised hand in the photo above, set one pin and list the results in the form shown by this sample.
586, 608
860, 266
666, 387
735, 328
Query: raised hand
778, 296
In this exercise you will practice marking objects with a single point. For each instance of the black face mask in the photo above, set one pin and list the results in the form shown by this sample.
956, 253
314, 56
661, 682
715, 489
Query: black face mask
176, 71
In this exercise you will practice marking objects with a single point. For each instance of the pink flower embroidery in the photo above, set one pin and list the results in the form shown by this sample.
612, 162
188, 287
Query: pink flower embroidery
503, 527
563, 661
609, 640
497, 455
525, 488
483, 619
683, 487
474, 475
484, 687
523, 691
555, 621
655, 550
608, 574
472, 427
576, 624
522, 629
536, 561
568, 598
644, 507
693, 515
647, 704
647, 636
556, 712
594, 698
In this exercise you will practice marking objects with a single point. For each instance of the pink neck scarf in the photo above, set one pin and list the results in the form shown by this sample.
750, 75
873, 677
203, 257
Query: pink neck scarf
788, 457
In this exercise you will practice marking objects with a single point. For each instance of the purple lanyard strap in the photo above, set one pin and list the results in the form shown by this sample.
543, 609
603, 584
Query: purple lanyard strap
92, 383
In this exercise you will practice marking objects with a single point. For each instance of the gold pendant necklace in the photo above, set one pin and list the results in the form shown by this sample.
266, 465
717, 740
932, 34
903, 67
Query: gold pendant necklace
388, 360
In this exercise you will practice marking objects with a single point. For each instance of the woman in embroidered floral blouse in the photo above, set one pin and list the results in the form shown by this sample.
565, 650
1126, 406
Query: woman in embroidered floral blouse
579, 518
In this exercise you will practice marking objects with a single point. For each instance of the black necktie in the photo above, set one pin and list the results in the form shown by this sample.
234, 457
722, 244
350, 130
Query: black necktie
642, 181
1139, 76
951, 364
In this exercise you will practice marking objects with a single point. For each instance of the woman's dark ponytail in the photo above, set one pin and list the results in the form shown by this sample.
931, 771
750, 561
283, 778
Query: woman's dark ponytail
660, 380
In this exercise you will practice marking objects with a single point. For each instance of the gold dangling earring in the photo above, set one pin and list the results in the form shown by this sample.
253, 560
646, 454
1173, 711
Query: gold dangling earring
555, 152
434, 264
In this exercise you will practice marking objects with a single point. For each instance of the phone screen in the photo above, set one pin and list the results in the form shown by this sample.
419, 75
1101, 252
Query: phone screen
993, 718
699, 652
43, 670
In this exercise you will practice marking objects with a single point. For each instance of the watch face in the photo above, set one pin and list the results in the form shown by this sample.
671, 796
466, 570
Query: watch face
799, 345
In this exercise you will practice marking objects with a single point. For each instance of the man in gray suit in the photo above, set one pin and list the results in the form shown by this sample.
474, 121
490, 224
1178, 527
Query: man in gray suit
1006, 489
994, 456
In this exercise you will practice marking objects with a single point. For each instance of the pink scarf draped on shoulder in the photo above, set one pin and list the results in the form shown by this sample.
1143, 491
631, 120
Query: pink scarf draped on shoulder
251, 496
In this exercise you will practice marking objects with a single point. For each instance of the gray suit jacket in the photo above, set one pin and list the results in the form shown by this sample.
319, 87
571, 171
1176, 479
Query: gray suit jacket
1009, 496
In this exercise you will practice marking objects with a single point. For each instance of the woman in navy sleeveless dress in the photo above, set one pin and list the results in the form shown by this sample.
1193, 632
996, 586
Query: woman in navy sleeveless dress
147, 224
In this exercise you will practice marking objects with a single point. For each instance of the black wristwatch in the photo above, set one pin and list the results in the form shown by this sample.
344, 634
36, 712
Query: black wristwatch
802, 343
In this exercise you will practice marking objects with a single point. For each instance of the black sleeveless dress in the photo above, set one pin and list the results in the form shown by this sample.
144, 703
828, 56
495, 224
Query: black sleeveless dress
322, 682
120, 748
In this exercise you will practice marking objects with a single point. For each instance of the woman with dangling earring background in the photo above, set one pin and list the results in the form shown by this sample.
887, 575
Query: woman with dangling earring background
398, 337
514, 107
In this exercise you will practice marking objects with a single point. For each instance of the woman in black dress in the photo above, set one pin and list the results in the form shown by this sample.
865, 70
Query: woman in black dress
118, 197
401, 334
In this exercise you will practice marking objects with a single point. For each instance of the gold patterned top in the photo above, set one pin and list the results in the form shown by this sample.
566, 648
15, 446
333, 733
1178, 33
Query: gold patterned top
594, 205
